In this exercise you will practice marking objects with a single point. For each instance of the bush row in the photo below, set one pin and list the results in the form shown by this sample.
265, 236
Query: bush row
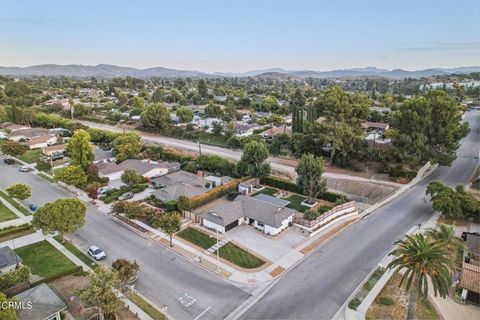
215, 193
14, 278
280, 183
112, 195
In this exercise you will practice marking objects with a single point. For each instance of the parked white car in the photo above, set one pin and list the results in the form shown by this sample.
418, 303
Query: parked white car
96, 253
103, 190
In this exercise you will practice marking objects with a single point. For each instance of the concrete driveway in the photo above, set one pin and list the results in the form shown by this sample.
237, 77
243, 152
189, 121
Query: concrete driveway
268, 247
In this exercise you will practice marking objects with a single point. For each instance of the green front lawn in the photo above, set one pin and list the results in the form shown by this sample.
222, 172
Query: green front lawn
78, 253
240, 257
268, 191
14, 203
6, 214
198, 238
147, 307
296, 203
44, 260
31, 156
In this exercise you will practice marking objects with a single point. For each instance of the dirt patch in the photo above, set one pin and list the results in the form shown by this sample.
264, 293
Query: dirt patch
392, 303
277, 271
373, 192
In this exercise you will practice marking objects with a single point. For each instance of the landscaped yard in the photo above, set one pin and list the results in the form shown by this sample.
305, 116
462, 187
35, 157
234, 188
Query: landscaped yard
14, 203
44, 260
240, 257
196, 237
148, 308
78, 253
296, 203
31, 156
12, 232
6, 214
268, 191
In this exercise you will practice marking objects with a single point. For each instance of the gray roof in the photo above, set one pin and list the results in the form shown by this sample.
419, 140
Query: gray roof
244, 206
272, 200
141, 166
29, 132
45, 303
102, 154
189, 189
8, 257
175, 178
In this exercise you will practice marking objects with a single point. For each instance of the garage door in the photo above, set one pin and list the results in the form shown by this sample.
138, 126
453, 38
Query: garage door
231, 225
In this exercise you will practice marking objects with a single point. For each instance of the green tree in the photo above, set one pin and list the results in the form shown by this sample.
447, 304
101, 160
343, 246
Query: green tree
73, 175
270, 103
170, 223
122, 98
13, 148
310, 170
444, 234
213, 110
131, 177
184, 114
138, 102
100, 291
3, 114
217, 128
80, 149
453, 203
427, 128
62, 216
202, 88
422, 260
254, 159
20, 191
156, 116
158, 95
5, 312
126, 146
127, 272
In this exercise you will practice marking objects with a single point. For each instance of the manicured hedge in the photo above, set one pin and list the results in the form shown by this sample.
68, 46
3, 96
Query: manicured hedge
113, 195
280, 183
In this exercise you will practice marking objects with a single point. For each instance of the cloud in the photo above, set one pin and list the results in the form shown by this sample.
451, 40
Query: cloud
445, 46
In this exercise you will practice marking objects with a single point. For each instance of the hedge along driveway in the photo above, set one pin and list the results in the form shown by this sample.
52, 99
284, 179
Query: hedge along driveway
45, 260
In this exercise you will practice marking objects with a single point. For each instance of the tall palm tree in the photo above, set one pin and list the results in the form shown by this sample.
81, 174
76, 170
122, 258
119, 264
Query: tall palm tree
422, 259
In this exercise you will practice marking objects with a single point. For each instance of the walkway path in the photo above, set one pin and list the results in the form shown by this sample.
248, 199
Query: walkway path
216, 246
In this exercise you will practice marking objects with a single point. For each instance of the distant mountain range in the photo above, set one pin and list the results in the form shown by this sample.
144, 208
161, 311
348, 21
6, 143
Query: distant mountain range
112, 71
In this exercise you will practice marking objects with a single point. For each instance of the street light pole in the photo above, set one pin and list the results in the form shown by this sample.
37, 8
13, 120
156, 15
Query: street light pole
218, 255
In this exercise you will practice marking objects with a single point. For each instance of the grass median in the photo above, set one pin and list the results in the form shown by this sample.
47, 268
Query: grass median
77, 252
15, 204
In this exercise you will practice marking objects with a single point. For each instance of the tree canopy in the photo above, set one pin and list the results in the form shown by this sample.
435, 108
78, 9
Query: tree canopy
156, 117
80, 149
453, 203
170, 223
126, 146
62, 215
73, 175
254, 159
310, 170
20, 191
184, 114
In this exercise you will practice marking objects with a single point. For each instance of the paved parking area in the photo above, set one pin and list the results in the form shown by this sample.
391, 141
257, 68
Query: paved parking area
270, 248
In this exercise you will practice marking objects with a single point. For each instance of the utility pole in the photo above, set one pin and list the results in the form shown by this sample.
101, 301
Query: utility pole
218, 255
199, 149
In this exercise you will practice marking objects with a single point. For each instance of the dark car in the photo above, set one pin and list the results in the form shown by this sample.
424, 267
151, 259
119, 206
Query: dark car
57, 156
9, 161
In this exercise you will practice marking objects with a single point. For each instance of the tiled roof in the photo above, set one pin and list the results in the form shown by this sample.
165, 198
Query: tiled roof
470, 278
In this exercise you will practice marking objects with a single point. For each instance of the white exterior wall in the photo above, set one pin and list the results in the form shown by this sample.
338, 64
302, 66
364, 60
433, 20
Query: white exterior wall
114, 176
156, 172
274, 231
213, 226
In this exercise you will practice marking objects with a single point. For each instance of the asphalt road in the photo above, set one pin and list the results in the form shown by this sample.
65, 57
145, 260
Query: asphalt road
164, 276
321, 284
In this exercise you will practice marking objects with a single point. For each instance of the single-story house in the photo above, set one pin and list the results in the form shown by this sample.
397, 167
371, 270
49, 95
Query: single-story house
146, 168
275, 131
8, 260
265, 213
46, 305
55, 148
42, 141
470, 282
27, 133
378, 126
180, 183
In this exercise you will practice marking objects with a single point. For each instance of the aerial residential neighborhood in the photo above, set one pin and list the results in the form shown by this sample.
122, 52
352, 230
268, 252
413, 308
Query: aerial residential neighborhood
239, 160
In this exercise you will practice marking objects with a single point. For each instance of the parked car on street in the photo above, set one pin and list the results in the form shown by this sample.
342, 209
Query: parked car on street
96, 253
24, 169
125, 196
32, 207
8, 161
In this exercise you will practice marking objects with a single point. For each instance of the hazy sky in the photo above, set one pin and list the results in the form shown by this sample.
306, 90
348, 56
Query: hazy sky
234, 35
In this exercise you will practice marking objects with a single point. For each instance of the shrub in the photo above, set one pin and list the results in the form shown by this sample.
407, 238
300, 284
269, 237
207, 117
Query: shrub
280, 183
191, 167
14, 278
336, 198
171, 206
132, 209
138, 188
324, 209
311, 214
153, 201
385, 301
43, 165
